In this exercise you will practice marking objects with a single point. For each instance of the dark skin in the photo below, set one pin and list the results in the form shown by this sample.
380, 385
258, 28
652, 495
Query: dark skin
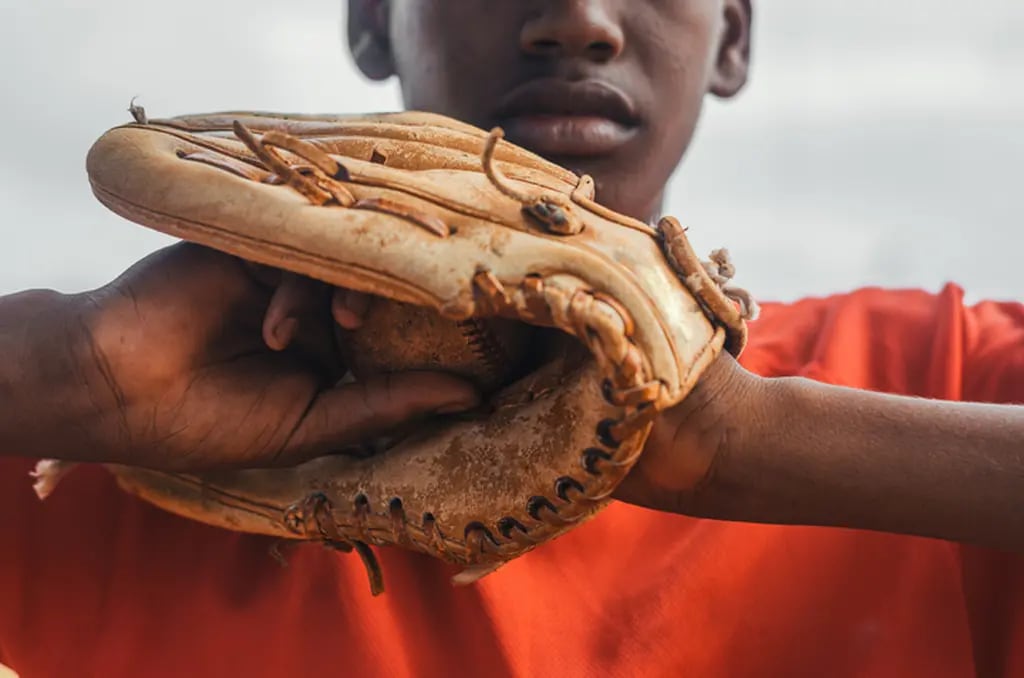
147, 370
664, 56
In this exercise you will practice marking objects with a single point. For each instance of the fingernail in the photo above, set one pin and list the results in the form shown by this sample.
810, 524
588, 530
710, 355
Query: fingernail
343, 313
284, 332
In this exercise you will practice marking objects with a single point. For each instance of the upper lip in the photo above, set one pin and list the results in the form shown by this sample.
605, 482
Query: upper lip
552, 96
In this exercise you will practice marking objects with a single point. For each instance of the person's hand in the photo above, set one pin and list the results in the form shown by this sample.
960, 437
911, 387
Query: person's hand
689, 450
193, 359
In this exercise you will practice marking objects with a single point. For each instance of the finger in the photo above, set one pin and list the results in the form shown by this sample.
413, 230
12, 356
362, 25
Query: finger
357, 412
294, 297
349, 307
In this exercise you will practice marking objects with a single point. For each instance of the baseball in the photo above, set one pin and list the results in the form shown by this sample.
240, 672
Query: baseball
397, 337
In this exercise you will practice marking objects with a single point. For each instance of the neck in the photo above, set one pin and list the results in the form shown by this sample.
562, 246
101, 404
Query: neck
620, 198
654, 211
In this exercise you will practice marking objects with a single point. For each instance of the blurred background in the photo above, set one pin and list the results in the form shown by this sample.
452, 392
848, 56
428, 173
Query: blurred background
881, 142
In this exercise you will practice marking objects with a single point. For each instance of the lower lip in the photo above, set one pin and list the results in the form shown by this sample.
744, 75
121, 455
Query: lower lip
565, 135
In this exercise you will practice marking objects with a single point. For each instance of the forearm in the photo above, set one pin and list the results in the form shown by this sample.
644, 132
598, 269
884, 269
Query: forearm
43, 402
834, 456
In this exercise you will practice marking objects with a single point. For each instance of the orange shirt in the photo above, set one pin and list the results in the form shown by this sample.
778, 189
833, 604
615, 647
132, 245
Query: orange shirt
96, 583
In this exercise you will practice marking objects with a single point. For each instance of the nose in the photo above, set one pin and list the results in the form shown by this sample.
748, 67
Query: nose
573, 28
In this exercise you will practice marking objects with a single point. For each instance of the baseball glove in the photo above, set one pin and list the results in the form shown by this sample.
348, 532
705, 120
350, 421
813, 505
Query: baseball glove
582, 324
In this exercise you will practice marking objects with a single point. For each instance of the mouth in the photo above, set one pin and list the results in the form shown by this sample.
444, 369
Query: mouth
559, 118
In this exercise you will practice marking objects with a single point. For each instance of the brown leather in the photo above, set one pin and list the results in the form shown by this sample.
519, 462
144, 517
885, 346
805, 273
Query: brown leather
410, 207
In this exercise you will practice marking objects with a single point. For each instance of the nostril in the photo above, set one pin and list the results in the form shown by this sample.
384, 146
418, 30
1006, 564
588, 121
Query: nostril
602, 51
544, 46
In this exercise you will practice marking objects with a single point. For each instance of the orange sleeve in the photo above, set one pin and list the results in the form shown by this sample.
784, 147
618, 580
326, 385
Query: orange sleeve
994, 353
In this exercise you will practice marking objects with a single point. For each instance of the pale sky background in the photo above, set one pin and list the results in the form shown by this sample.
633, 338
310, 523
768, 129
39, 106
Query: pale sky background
881, 142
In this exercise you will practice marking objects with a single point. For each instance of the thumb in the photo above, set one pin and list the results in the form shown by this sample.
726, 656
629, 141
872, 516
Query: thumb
355, 413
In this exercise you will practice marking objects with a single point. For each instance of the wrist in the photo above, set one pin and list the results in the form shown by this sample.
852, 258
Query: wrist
695, 458
740, 407
749, 461
44, 375
784, 468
